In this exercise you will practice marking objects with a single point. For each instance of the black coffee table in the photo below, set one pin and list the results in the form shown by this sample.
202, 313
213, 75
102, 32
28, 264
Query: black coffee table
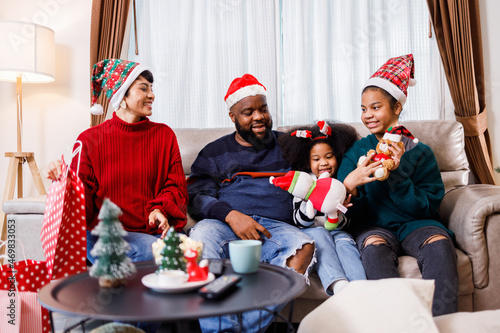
80, 295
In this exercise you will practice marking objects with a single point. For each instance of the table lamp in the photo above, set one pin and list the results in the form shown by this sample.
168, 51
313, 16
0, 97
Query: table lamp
27, 54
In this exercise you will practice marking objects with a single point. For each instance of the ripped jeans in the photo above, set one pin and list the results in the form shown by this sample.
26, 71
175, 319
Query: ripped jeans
284, 243
436, 260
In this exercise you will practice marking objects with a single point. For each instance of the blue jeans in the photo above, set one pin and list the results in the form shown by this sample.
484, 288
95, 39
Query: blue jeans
437, 261
337, 257
140, 245
284, 243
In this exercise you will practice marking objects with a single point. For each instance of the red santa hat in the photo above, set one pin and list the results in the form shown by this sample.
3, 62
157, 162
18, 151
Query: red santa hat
242, 87
394, 77
395, 133
115, 76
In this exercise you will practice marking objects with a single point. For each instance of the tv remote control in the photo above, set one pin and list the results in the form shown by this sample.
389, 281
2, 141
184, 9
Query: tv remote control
216, 266
220, 286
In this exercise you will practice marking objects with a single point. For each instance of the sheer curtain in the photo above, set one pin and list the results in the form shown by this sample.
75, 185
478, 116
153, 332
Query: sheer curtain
313, 56
330, 48
196, 48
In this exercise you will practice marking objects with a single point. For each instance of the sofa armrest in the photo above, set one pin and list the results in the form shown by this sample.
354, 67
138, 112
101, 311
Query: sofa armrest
465, 211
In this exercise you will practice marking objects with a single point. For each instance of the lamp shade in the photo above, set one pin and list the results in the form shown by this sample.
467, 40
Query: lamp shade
26, 50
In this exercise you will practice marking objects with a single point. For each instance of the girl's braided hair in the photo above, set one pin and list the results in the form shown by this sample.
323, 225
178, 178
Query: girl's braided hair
296, 150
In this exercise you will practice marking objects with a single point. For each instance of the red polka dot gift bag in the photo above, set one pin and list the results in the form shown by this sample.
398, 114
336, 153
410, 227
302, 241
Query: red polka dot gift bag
63, 232
20, 311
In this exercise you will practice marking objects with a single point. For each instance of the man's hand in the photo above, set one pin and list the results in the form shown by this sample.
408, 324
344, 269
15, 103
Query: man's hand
157, 217
244, 226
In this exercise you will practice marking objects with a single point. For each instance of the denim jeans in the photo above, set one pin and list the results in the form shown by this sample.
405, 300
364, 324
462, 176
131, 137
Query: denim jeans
437, 261
284, 243
337, 257
140, 245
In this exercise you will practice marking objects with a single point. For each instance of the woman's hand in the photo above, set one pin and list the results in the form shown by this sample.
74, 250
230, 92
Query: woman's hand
363, 174
53, 170
157, 217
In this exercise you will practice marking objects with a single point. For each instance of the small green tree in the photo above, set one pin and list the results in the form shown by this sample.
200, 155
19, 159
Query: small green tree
172, 256
112, 265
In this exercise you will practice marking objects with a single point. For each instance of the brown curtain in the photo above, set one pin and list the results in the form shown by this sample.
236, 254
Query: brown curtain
457, 26
107, 27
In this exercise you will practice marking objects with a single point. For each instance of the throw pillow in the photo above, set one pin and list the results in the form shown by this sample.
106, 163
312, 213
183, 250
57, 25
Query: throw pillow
387, 305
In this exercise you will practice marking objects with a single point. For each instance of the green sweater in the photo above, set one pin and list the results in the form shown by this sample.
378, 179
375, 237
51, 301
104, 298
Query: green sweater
407, 200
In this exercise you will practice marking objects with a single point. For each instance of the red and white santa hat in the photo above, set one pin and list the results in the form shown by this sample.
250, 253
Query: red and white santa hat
395, 133
242, 87
115, 76
394, 77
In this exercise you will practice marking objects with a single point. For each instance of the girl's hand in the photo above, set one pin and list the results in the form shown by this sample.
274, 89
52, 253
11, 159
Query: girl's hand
157, 217
361, 175
347, 202
397, 152
53, 170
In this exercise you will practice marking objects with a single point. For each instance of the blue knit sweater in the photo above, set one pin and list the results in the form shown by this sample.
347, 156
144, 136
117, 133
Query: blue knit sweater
405, 201
216, 185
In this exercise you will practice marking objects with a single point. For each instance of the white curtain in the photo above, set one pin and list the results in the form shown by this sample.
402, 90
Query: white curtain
330, 48
313, 56
196, 48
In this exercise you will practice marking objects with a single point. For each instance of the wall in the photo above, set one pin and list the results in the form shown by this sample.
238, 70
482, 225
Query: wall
490, 11
53, 113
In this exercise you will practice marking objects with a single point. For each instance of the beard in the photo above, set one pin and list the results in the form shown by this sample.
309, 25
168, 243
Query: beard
259, 143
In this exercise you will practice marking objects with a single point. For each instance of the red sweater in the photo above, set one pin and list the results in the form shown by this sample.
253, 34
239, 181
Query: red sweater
138, 167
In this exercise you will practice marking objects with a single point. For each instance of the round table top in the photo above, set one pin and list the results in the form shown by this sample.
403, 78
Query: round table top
80, 295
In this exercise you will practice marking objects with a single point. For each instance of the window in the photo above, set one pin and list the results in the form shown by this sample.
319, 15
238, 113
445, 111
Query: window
312, 56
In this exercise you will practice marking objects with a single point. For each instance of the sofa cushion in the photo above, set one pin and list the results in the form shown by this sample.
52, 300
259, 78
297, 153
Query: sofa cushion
192, 140
388, 305
29, 205
481, 321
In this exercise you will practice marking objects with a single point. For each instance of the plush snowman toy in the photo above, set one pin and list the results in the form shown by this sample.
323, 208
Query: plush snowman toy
325, 194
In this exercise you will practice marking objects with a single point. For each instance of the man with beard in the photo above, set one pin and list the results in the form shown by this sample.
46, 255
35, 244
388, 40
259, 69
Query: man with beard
229, 190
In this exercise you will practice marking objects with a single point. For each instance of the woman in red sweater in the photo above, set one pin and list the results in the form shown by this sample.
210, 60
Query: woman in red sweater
132, 161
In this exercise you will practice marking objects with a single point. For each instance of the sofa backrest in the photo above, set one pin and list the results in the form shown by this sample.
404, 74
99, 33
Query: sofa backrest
445, 137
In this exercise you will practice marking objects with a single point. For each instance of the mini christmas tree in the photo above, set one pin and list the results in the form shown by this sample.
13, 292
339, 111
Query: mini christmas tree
172, 256
112, 265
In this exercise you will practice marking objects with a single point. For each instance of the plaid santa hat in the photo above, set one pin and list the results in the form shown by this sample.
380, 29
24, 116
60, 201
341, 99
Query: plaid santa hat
242, 87
394, 77
115, 76
395, 133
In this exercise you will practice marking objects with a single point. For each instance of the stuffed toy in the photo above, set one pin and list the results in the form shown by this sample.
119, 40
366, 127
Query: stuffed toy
382, 152
325, 194
196, 272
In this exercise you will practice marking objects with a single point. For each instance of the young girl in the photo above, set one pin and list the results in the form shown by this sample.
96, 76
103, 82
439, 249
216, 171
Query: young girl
399, 215
319, 149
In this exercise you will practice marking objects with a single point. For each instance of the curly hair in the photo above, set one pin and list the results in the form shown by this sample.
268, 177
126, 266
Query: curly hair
296, 150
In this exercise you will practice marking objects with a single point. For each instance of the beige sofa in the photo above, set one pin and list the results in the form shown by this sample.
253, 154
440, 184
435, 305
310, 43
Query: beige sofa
471, 211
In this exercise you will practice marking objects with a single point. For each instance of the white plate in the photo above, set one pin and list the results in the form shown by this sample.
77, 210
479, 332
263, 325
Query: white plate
151, 281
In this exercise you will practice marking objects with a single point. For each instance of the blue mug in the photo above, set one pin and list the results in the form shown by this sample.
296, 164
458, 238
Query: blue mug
245, 255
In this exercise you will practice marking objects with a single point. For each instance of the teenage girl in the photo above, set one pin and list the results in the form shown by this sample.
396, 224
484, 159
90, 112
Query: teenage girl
399, 215
319, 149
